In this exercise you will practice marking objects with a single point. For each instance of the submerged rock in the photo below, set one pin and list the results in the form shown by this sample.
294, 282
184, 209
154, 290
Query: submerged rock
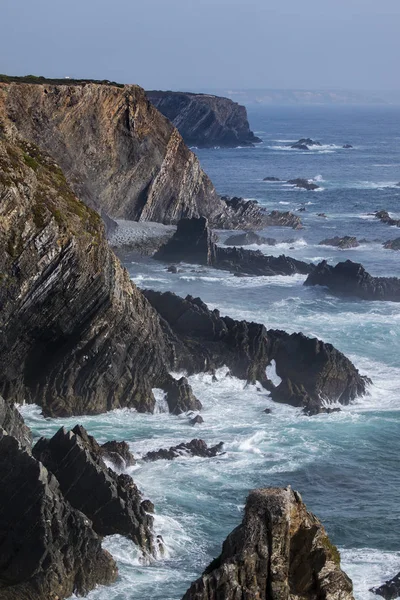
271, 179
305, 144
111, 501
390, 589
341, 242
280, 551
205, 120
351, 279
47, 548
347, 146
304, 184
194, 242
197, 420
193, 448
249, 238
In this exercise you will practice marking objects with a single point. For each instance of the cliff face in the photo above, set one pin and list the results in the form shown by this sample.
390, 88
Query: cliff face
77, 337
279, 552
118, 153
204, 120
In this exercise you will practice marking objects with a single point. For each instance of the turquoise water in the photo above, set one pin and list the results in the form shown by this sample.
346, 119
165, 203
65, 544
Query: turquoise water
346, 464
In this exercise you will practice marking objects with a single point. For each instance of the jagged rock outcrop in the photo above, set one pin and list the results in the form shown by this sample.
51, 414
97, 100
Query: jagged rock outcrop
205, 120
193, 242
12, 423
280, 552
341, 242
118, 453
249, 214
313, 373
304, 184
47, 548
390, 590
193, 448
111, 501
77, 336
351, 279
392, 244
384, 217
249, 238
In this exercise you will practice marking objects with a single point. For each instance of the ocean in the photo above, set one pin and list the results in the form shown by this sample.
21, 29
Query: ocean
345, 465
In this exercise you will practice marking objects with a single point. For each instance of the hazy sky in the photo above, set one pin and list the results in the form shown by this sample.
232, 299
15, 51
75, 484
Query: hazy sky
206, 44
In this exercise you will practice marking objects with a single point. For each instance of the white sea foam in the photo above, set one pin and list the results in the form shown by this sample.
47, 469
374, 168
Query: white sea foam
369, 568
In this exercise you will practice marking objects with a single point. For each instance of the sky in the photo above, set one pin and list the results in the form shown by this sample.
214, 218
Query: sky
202, 45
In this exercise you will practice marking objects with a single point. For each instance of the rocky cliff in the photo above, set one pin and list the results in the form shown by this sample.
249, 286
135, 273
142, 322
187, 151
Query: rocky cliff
279, 552
118, 153
205, 120
77, 337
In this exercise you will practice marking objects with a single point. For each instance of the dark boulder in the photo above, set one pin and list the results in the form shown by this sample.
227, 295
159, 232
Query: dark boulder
304, 144
48, 549
193, 242
277, 218
118, 453
341, 242
271, 179
197, 420
347, 146
148, 506
298, 146
248, 238
111, 501
392, 244
172, 269
313, 373
323, 215
179, 396
193, 448
279, 551
12, 423
390, 589
351, 279
384, 217
304, 184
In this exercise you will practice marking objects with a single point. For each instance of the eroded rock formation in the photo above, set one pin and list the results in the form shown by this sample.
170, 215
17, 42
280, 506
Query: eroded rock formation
341, 242
313, 373
280, 552
12, 423
351, 279
205, 120
249, 238
390, 590
193, 242
47, 548
111, 501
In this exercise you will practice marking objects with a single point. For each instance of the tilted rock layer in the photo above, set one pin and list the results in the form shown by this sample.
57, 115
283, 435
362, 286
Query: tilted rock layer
118, 153
279, 552
77, 335
205, 120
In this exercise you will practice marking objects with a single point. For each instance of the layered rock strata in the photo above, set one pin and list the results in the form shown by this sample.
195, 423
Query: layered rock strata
205, 120
48, 549
280, 552
351, 279
77, 336
12, 423
111, 501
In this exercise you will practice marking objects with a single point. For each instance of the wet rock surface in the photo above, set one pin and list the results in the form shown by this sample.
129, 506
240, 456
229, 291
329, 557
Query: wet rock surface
341, 242
194, 242
118, 453
111, 501
280, 551
304, 184
205, 120
249, 238
384, 217
392, 244
390, 590
313, 373
351, 279
194, 448
48, 549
